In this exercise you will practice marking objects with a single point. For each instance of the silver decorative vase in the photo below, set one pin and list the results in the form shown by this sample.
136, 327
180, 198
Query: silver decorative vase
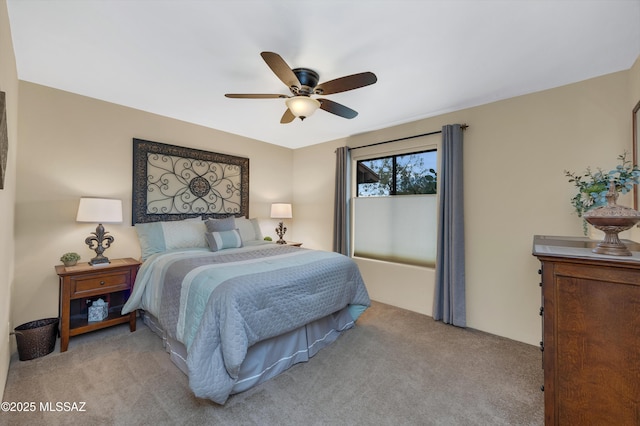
612, 219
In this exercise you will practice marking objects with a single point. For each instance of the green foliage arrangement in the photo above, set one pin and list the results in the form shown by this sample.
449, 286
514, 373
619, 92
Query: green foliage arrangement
593, 186
70, 257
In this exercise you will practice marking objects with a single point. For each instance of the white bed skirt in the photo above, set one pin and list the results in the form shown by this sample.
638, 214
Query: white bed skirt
270, 357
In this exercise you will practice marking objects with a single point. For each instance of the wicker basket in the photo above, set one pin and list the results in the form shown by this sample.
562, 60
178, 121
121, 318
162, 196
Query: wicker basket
36, 338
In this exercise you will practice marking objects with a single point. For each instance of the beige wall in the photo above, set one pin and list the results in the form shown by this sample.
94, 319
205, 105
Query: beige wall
72, 146
9, 85
515, 154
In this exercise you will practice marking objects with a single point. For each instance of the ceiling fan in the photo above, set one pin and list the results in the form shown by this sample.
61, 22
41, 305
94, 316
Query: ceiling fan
303, 82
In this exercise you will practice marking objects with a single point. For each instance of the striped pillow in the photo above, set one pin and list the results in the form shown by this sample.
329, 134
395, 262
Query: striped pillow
223, 240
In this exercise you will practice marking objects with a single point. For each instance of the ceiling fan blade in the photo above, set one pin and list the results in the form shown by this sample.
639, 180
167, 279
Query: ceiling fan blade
287, 117
337, 109
280, 69
343, 84
254, 96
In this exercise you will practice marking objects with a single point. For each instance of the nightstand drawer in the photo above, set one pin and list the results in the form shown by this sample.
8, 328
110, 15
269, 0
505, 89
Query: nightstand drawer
103, 282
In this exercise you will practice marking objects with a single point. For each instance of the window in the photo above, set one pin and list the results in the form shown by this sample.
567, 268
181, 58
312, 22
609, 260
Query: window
395, 211
413, 173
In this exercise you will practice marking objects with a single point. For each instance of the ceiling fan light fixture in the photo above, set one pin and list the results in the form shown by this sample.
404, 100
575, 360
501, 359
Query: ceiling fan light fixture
302, 106
302, 83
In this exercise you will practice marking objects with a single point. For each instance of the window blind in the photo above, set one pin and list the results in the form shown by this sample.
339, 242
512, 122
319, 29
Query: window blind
400, 229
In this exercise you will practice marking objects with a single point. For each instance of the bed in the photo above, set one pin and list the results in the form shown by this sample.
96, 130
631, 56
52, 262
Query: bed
234, 310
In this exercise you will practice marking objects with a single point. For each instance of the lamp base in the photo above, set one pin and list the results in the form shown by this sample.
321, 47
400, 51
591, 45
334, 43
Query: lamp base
99, 260
280, 230
99, 241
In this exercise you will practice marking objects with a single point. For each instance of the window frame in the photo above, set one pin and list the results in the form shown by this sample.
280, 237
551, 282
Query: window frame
429, 142
394, 171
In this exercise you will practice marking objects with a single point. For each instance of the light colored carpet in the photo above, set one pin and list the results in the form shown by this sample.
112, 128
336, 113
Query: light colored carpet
394, 368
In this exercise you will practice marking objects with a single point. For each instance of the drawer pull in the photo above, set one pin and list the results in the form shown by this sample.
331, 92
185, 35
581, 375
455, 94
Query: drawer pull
541, 310
102, 283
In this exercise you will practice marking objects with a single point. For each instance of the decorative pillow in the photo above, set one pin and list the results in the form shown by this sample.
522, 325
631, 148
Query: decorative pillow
220, 225
156, 237
223, 240
249, 229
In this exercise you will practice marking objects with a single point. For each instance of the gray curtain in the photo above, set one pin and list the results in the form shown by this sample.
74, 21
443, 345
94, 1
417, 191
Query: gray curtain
341, 203
449, 296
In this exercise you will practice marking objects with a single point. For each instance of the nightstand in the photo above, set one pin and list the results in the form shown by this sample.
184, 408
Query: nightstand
294, 244
81, 284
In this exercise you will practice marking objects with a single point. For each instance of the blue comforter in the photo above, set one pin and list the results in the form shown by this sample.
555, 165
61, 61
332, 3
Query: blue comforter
219, 304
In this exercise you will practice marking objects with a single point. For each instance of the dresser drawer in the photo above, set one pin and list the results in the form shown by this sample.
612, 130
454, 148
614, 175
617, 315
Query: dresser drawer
91, 284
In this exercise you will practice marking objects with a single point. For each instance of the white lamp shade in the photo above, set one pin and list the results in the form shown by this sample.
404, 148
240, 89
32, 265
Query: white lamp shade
99, 210
302, 106
281, 211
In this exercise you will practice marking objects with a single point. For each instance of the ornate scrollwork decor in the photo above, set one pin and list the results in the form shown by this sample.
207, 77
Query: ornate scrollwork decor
174, 183
99, 241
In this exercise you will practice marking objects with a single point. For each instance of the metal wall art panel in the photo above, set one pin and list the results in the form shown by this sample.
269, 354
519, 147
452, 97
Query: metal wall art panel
635, 131
175, 183
4, 138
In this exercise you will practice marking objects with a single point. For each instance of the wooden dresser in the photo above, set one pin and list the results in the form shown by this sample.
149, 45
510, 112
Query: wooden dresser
591, 333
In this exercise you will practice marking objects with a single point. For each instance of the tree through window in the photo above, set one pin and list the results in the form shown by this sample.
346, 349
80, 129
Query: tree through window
405, 174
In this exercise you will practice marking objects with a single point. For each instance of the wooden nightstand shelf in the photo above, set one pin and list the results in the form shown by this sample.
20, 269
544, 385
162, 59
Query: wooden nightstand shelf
83, 282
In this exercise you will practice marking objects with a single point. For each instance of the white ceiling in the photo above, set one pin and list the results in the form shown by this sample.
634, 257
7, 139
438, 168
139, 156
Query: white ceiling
178, 58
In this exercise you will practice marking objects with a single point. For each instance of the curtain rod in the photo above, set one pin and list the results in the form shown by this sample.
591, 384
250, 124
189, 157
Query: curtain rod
462, 126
